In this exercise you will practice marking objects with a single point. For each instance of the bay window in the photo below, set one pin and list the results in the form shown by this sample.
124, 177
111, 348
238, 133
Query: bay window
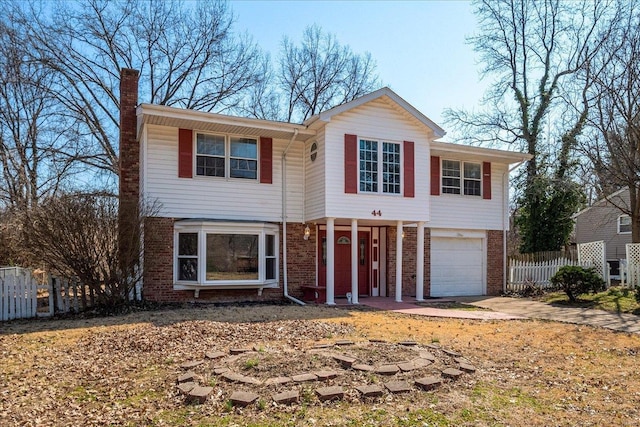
225, 254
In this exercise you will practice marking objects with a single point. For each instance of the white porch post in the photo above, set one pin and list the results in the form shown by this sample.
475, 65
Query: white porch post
331, 261
399, 262
354, 261
420, 263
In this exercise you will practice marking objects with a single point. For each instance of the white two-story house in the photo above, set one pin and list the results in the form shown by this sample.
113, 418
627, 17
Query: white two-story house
360, 200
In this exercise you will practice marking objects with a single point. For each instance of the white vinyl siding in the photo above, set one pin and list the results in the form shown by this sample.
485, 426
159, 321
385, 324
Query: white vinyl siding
314, 180
218, 198
473, 213
382, 120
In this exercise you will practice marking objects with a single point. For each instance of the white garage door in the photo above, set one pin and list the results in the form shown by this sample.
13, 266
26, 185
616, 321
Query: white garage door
457, 266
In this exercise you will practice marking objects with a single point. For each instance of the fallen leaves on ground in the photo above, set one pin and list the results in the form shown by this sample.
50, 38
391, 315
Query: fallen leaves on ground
122, 370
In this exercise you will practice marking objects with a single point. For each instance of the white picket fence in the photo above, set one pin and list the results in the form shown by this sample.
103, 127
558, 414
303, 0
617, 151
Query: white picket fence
539, 274
20, 293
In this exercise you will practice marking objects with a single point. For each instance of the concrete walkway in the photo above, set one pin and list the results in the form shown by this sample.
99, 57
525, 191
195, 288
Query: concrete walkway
538, 310
503, 308
410, 306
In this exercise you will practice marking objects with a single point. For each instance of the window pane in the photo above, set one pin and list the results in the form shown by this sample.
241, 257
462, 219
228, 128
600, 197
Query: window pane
368, 165
390, 168
270, 245
472, 170
188, 269
210, 166
241, 168
270, 268
188, 244
471, 187
450, 168
212, 145
244, 147
232, 257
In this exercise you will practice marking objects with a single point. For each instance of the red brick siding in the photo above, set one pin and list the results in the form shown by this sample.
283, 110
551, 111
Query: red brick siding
495, 262
409, 254
158, 267
129, 173
301, 258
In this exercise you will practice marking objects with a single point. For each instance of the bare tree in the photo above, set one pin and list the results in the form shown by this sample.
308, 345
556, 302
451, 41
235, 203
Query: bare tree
535, 51
32, 130
320, 73
187, 54
614, 148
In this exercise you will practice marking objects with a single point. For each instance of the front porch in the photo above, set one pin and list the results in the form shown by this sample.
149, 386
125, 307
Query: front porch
370, 258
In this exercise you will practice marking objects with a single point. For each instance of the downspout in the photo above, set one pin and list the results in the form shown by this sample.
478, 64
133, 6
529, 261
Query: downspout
505, 190
284, 221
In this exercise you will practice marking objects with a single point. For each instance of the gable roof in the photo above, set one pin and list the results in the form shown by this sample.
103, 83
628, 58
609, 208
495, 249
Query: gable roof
326, 116
603, 201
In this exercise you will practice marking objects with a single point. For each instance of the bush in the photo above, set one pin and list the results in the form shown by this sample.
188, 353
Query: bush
574, 280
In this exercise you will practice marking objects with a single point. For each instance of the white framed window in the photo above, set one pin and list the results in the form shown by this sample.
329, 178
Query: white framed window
225, 254
461, 178
376, 156
226, 156
624, 224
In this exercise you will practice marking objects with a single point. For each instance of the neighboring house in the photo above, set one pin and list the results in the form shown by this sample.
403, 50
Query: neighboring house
359, 200
605, 220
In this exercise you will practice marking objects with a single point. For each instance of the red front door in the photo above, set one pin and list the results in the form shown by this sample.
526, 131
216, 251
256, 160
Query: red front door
342, 273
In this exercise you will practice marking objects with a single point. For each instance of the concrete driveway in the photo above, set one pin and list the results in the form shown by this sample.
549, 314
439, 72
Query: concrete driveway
537, 310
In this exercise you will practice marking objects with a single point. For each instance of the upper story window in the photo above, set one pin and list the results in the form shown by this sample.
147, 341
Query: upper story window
461, 178
624, 224
226, 254
376, 157
227, 157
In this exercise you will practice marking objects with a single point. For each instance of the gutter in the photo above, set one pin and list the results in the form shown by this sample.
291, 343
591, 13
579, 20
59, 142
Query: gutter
285, 283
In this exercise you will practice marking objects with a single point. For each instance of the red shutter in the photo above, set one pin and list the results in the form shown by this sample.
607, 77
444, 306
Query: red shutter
266, 160
486, 180
435, 175
409, 174
350, 163
185, 153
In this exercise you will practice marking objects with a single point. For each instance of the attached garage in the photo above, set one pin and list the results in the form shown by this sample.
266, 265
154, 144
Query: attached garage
458, 265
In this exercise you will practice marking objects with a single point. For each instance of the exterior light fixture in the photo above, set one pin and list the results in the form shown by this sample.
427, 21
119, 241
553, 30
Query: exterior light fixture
403, 234
307, 232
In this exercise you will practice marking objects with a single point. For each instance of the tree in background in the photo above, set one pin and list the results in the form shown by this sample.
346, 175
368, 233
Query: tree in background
187, 54
614, 146
33, 130
538, 54
313, 76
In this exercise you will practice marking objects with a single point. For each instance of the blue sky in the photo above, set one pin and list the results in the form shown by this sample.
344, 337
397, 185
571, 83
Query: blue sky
419, 46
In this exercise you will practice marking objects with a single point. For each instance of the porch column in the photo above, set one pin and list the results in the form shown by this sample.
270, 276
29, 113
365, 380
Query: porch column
354, 261
420, 263
331, 261
399, 262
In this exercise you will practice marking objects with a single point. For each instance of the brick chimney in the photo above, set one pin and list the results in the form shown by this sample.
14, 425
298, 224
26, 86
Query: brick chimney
129, 173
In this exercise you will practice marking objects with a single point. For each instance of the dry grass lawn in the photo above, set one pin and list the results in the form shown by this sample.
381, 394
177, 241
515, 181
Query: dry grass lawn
122, 370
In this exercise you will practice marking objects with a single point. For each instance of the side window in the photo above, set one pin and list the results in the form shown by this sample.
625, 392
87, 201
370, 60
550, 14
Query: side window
624, 224
188, 256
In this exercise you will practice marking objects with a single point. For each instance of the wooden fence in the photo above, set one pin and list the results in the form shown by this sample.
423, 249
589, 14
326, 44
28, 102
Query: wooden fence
527, 273
23, 297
